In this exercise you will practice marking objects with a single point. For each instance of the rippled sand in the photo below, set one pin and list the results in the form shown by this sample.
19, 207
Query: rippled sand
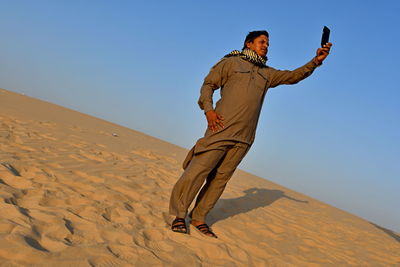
79, 191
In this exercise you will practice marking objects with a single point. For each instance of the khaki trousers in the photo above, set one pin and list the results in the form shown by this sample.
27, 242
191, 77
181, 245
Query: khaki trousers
216, 166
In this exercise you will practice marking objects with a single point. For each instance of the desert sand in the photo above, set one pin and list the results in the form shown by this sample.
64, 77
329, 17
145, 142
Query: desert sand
80, 191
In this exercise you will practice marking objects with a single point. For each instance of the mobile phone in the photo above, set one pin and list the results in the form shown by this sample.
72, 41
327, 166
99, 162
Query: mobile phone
325, 36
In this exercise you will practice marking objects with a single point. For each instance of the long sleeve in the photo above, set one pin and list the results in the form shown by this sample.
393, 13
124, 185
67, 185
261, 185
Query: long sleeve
215, 79
279, 77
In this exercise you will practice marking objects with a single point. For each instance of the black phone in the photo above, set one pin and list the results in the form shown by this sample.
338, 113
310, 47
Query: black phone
325, 36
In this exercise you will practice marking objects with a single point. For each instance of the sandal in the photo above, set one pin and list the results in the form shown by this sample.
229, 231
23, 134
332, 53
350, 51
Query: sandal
205, 230
179, 225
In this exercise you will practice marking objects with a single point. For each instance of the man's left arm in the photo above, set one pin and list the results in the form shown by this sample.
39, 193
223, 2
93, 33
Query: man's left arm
279, 77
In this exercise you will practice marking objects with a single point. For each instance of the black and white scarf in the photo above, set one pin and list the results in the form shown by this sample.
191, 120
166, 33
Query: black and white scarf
249, 55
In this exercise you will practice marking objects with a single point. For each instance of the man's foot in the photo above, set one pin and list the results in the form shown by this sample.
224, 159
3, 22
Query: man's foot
179, 225
203, 228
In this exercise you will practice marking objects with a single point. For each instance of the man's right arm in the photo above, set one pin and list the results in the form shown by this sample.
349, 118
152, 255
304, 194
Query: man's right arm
215, 79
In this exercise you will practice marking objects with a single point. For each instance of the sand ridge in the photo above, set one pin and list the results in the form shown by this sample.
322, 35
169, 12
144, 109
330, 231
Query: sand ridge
76, 190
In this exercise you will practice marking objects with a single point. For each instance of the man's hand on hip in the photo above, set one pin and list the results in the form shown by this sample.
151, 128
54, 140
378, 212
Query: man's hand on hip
214, 120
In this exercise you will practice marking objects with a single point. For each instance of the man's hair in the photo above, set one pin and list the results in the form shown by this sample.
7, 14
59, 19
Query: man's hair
253, 35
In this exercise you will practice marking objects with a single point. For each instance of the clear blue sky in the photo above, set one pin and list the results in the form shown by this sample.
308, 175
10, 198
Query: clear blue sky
334, 136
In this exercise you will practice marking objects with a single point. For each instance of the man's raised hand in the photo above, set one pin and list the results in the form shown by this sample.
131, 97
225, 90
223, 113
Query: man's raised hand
214, 120
323, 52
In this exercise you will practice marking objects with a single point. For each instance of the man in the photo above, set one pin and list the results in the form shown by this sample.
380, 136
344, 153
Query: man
244, 80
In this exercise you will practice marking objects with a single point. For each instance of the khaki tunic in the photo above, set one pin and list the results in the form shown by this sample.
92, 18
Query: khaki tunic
243, 88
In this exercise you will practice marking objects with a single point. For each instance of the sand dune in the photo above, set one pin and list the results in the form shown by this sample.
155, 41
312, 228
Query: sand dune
79, 191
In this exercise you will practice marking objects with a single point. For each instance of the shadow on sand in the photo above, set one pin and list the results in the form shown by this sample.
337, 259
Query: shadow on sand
253, 198
388, 232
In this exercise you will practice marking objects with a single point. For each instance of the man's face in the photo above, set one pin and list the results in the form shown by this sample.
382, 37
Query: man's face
259, 45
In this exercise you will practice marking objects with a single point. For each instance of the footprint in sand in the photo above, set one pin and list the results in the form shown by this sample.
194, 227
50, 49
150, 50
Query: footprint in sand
51, 198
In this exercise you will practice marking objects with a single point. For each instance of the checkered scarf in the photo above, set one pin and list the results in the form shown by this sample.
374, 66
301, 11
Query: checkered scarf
249, 55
